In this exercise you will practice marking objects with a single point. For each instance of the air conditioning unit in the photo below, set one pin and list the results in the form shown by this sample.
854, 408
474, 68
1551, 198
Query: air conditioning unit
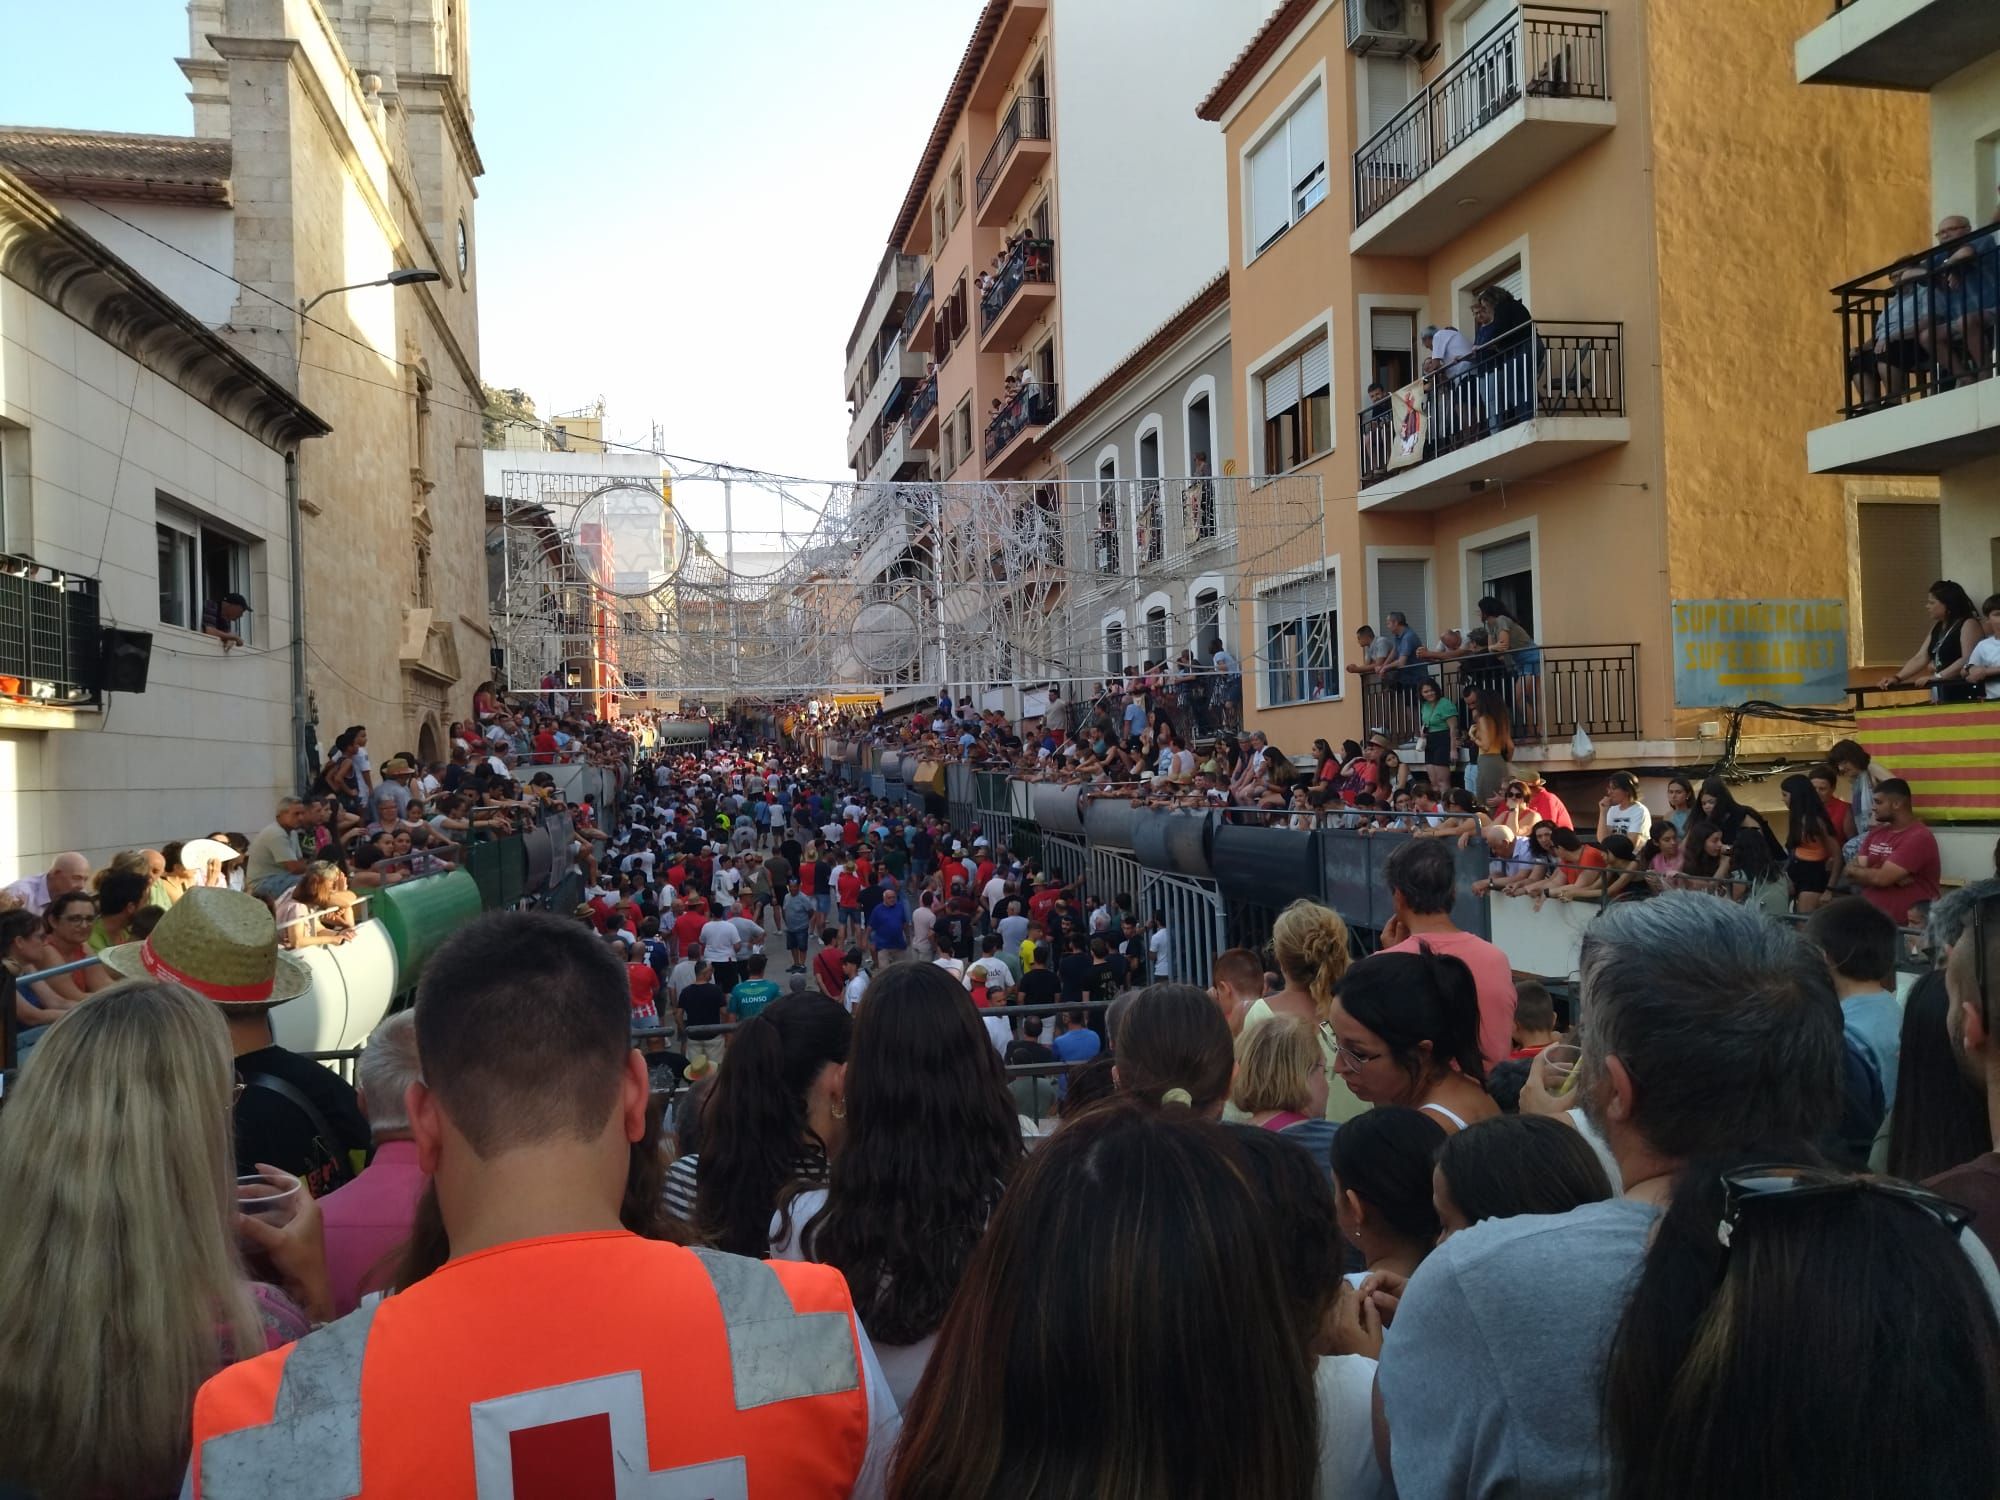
1395, 28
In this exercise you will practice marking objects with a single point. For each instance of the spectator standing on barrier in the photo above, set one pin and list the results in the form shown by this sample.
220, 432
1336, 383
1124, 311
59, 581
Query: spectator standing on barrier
292, 1114
551, 1313
1422, 879
369, 1218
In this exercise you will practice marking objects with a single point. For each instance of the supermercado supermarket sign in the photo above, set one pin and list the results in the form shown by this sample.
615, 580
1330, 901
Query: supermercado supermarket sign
1780, 650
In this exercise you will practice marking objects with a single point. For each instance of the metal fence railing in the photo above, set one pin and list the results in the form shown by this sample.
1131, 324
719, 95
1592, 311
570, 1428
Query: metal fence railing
49, 648
1567, 688
1030, 260
1027, 119
1923, 325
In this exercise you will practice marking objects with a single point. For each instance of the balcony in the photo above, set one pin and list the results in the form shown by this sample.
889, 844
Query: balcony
920, 422
1920, 353
1019, 151
920, 317
1012, 433
49, 648
1592, 688
1897, 44
1013, 36
1532, 400
1526, 97
1019, 294
895, 382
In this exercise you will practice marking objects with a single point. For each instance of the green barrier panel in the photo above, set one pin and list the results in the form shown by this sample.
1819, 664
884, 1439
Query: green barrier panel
421, 915
566, 895
513, 856
991, 792
482, 863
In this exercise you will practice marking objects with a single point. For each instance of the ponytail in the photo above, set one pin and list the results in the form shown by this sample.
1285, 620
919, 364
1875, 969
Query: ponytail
1311, 946
1411, 998
1173, 1049
1384, 1157
754, 1127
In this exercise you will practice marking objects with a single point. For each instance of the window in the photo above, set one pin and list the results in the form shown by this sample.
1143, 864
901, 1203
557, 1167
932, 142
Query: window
937, 222
958, 436
1287, 171
1207, 619
1389, 89
13, 488
1392, 344
1402, 584
1301, 623
198, 562
1298, 415
955, 193
464, 248
1114, 649
1506, 571
1157, 639
1900, 557
1104, 545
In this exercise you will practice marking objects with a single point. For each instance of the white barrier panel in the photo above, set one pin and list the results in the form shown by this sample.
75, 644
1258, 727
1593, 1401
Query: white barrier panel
1546, 942
317, 1020
369, 962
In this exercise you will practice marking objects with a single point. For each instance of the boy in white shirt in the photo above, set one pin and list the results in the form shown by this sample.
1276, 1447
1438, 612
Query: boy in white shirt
1983, 666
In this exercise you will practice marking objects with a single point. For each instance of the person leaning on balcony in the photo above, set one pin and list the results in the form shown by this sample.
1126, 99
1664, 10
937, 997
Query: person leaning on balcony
219, 617
1964, 297
1982, 665
1375, 652
1941, 660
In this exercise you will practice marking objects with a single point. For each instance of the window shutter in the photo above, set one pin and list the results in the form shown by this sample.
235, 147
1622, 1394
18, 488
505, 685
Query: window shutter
1270, 192
1388, 92
1513, 281
1504, 560
1316, 367
1307, 129
1900, 558
1393, 330
1400, 582
1475, 27
1281, 389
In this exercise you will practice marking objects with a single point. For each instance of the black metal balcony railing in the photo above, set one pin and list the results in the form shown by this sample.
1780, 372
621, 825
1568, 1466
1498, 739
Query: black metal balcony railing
49, 647
1031, 406
1030, 260
1538, 370
1027, 119
1550, 693
1922, 326
920, 298
1552, 51
922, 404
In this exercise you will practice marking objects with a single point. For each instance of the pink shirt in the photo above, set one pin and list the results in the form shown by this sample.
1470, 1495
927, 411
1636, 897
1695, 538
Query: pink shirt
368, 1219
1492, 977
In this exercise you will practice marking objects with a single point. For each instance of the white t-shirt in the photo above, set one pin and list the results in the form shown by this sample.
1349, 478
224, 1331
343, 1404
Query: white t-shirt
719, 941
999, 1031
1633, 820
856, 988
1987, 654
1163, 959
995, 889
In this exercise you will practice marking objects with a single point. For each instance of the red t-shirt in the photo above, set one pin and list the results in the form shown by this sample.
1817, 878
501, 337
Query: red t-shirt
545, 747
687, 931
983, 874
645, 984
1547, 806
954, 873
829, 970
604, 906
850, 833
1913, 849
849, 885
1041, 901
865, 868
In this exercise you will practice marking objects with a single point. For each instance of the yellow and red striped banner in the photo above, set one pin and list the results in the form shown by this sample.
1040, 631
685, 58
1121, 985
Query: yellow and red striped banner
1948, 752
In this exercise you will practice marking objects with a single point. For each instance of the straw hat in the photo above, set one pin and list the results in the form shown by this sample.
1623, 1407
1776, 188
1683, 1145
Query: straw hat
223, 945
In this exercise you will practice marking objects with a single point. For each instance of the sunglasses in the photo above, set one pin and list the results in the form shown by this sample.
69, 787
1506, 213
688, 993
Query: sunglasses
1782, 1184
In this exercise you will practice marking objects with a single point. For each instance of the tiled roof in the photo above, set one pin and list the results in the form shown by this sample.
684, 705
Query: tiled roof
110, 164
947, 120
1205, 303
1270, 36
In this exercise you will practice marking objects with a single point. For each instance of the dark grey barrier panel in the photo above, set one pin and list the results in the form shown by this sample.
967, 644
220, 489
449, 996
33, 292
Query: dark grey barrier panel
958, 783
1347, 864
1108, 821
1269, 866
1057, 809
1175, 842
892, 765
1472, 913
541, 858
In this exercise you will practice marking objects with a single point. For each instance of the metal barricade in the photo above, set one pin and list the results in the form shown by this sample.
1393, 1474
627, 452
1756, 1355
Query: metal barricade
1197, 929
1113, 872
1064, 857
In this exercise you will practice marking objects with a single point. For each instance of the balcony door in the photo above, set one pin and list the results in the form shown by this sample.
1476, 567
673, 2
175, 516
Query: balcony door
1150, 521
1495, 78
1506, 571
1392, 342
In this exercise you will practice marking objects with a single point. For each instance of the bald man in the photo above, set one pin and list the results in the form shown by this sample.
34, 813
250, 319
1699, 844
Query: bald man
67, 872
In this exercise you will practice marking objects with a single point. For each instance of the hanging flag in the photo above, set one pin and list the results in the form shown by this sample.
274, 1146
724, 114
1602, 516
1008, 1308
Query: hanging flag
1409, 420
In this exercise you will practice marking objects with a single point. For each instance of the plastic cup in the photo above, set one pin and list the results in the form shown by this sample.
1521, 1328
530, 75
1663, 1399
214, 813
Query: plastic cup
1559, 1074
273, 1199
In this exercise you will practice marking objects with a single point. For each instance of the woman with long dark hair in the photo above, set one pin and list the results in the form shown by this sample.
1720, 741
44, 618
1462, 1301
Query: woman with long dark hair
1719, 806
1439, 717
1801, 1332
1940, 661
932, 1141
1938, 1120
1490, 729
1124, 1331
1815, 844
777, 1114
1406, 1032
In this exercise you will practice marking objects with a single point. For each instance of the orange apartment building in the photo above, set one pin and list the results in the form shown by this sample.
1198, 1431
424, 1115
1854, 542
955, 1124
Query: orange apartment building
1646, 179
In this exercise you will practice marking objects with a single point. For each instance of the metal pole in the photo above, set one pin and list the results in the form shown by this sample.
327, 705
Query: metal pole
729, 559
302, 733
937, 574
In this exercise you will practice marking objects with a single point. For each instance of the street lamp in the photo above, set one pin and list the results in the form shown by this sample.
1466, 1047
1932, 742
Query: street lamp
408, 276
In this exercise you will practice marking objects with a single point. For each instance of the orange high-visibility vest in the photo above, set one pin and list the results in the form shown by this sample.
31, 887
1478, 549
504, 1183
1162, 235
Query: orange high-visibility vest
579, 1367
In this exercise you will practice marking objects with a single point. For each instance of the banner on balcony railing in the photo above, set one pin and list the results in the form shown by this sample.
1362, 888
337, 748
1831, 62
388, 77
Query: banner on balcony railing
1779, 650
1409, 416
1948, 752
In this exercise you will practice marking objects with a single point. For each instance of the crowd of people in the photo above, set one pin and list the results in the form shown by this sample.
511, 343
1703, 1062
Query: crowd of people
827, 1149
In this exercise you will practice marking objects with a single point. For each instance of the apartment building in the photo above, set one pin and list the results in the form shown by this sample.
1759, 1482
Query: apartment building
1914, 393
1661, 210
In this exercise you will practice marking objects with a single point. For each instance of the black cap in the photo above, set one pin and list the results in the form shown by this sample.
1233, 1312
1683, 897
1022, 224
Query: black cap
236, 599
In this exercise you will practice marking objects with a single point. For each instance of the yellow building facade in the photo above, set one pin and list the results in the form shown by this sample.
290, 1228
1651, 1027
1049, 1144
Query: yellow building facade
1647, 182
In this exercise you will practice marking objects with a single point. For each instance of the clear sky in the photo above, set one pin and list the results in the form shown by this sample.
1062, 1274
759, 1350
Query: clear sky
683, 201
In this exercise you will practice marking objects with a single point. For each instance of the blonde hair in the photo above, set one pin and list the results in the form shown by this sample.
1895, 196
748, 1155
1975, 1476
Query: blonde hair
120, 1284
1310, 944
1274, 1063
131, 861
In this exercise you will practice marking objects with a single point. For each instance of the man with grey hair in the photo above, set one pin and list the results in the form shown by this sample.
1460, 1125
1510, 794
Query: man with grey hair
277, 857
1707, 1030
1972, 981
66, 873
368, 1218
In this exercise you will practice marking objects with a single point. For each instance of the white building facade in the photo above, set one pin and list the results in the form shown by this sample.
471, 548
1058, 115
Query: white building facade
143, 471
